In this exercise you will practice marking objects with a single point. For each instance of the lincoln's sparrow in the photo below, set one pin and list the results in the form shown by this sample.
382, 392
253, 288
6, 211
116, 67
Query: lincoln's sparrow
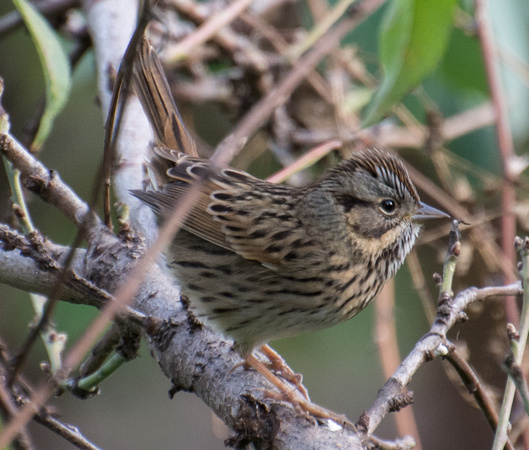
261, 261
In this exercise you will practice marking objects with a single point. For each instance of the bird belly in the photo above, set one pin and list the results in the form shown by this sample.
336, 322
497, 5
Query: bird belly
245, 300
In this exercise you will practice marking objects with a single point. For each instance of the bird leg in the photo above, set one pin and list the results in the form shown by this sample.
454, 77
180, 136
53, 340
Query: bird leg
289, 395
278, 365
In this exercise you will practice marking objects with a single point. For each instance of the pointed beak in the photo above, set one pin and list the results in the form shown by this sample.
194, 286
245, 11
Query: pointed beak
426, 212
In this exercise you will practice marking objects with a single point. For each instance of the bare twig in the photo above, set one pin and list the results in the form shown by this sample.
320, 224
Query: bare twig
420, 285
231, 145
400, 444
508, 397
387, 343
305, 161
474, 386
208, 29
394, 136
7, 403
429, 346
45, 183
23, 268
68, 432
31, 264
516, 373
8, 408
505, 144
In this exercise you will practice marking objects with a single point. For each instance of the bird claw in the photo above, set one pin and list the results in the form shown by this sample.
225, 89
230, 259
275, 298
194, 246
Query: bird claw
277, 396
310, 411
243, 364
278, 365
292, 395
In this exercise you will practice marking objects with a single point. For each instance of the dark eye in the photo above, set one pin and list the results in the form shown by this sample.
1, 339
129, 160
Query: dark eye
388, 206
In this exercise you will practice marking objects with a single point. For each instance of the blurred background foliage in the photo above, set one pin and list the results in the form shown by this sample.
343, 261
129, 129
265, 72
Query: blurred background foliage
340, 365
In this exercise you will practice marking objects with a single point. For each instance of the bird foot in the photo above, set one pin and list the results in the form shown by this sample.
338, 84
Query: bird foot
278, 365
293, 396
310, 411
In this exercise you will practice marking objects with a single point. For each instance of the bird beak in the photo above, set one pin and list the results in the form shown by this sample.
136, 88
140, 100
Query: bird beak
426, 212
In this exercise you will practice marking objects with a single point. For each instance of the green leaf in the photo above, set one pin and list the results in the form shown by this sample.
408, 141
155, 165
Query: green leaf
55, 65
413, 37
463, 64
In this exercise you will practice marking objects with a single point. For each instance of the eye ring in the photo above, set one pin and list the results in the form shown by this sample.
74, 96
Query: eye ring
388, 206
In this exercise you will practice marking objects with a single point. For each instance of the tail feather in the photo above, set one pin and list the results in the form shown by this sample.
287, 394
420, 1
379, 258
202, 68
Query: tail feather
151, 86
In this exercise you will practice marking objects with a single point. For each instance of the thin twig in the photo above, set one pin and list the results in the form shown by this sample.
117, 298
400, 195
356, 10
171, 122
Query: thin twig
208, 29
474, 386
305, 161
445, 294
231, 145
400, 444
508, 397
388, 349
420, 285
322, 26
505, 144
9, 409
432, 344
515, 372
45, 183
53, 341
68, 432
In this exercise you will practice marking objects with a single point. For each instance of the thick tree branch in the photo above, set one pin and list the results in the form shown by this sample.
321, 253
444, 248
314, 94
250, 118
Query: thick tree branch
193, 357
25, 266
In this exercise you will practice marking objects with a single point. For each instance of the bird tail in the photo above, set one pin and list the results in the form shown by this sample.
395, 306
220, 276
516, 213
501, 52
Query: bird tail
151, 86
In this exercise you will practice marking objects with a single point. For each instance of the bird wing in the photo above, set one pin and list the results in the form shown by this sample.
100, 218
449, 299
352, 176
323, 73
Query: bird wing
233, 210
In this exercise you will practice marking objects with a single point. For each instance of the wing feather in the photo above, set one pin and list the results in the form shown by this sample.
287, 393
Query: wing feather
234, 210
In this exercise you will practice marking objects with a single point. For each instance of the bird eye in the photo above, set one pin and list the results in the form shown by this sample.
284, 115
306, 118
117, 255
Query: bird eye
388, 206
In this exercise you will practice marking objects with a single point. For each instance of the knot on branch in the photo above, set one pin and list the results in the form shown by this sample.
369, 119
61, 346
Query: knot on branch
462, 317
363, 423
445, 306
129, 343
255, 425
77, 391
38, 185
33, 246
511, 365
162, 332
109, 259
400, 401
192, 321
512, 332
